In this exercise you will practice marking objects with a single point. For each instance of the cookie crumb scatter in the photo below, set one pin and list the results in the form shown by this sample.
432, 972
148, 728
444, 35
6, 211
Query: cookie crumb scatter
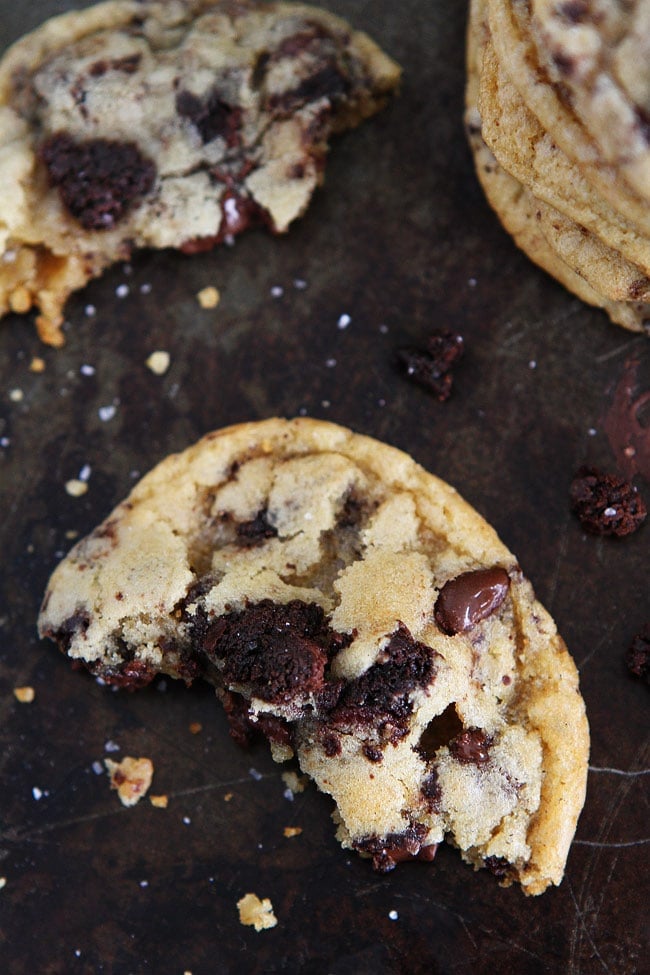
291, 831
76, 488
638, 654
432, 367
256, 913
24, 694
16, 395
131, 778
37, 364
208, 297
196, 727
605, 504
158, 362
160, 802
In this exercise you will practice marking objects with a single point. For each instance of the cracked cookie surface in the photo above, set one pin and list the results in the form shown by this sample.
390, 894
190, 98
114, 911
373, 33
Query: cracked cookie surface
353, 609
166, 125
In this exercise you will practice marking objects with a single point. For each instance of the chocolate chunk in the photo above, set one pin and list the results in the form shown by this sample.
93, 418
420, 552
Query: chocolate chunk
372, 753
279, 651
638, 654
606, 504
471, 747
469, 598
327, 82
380, 696
388, 851
431, 367
499, 867
255, 531
99, 179
245, 727
212, 117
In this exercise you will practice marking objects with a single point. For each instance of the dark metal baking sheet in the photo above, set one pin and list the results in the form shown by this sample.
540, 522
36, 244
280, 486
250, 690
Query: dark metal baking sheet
401, 240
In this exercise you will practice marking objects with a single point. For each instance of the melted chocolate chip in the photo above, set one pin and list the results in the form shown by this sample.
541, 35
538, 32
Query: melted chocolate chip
279, 651
471, 747
99, 179
431, 367
638, 654
469, 598
388, 851
212, 117
605, 504
380, 696
255, 531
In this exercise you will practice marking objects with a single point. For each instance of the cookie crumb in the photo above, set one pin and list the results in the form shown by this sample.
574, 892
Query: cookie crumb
296, 783
75, 487
24, 694
131, 778
16, 395
160, 802
106, 413
158, 362
605, 504
196, 727
37, 364
256, 913
228, 796
291, 831
637, 657
208, 297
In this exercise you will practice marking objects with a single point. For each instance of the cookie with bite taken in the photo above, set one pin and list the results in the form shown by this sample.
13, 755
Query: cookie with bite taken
353, 609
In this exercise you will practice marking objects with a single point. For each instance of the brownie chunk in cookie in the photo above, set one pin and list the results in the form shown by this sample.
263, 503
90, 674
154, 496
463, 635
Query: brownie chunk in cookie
142, 123
352, 608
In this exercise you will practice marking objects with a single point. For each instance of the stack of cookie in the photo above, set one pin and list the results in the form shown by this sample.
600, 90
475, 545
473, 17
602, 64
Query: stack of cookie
558, 95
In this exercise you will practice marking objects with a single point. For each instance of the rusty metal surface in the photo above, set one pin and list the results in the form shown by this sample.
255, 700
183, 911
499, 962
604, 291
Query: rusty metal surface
401, 240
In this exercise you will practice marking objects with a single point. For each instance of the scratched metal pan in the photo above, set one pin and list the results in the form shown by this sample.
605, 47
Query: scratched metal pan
400, 240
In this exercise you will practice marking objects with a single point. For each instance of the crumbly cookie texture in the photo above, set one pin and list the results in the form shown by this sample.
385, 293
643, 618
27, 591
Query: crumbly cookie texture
352, 608
166, 124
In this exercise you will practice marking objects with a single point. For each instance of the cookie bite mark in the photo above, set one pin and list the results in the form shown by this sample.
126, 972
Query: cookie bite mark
469, 598
99, 180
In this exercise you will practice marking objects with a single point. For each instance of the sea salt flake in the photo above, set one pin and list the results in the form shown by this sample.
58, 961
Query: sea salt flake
37, 793
87, 370
106, 413
393, 915
76, 488
344, 321
254, 774
85, 472
609, 512
122, 290
277, 291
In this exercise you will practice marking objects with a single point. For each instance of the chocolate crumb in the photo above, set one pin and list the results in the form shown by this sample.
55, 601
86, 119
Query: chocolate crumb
431, 367
637, 657
605, 504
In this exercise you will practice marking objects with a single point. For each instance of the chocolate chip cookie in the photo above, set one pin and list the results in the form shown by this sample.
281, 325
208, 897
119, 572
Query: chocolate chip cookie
353, 609
152, 124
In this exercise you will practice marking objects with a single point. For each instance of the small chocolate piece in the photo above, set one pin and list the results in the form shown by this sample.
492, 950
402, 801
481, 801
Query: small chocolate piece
469, 598
99, 179
499, 867
471, 747
255, 531
388, 851
212, 117
605, 503
637, 657
431, 367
